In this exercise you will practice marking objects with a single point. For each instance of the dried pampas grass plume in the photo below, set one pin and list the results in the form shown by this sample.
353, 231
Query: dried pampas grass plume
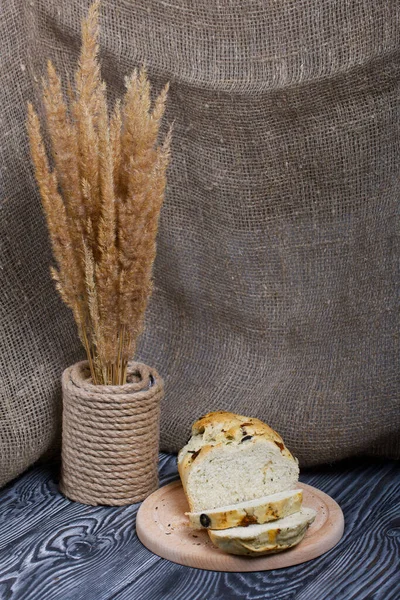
102, 201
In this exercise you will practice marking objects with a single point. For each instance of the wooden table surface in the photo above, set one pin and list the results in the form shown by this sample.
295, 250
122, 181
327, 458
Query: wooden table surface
51, 548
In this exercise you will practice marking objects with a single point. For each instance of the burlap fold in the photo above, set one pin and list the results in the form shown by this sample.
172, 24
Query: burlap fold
277, 270
110, 436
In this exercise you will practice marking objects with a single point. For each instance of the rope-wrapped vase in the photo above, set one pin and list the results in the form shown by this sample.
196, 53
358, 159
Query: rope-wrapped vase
110, 437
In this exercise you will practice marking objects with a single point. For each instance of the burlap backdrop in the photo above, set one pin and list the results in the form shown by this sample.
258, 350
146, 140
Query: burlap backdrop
277, 270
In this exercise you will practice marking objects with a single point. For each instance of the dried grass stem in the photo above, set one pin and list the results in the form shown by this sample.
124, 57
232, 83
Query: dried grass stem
102, 201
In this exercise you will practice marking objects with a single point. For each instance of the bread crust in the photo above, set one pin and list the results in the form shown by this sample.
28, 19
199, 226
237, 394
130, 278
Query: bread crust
238, 426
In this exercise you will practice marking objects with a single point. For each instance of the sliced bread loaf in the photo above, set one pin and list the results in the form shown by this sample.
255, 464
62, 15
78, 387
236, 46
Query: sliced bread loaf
262, 510
269, 538
230, 459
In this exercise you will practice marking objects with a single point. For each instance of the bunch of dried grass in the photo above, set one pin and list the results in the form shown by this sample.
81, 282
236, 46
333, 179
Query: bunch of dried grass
102, 202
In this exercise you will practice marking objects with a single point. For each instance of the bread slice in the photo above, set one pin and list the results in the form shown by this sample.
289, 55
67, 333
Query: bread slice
269, 538
231, 459
262, 510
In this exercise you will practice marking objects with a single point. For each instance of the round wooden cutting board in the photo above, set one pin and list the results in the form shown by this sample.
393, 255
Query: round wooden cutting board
163, 528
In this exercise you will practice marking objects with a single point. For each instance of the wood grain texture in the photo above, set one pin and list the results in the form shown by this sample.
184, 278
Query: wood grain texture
55, 549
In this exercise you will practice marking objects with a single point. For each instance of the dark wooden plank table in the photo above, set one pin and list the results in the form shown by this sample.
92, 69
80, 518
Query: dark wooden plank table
51, 548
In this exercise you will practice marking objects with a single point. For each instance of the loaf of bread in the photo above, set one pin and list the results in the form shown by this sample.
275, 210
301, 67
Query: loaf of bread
238, 477
256, 540
232, 459
262, 510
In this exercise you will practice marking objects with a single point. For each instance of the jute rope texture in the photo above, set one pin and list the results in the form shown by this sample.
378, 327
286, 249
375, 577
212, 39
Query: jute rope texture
110, 437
